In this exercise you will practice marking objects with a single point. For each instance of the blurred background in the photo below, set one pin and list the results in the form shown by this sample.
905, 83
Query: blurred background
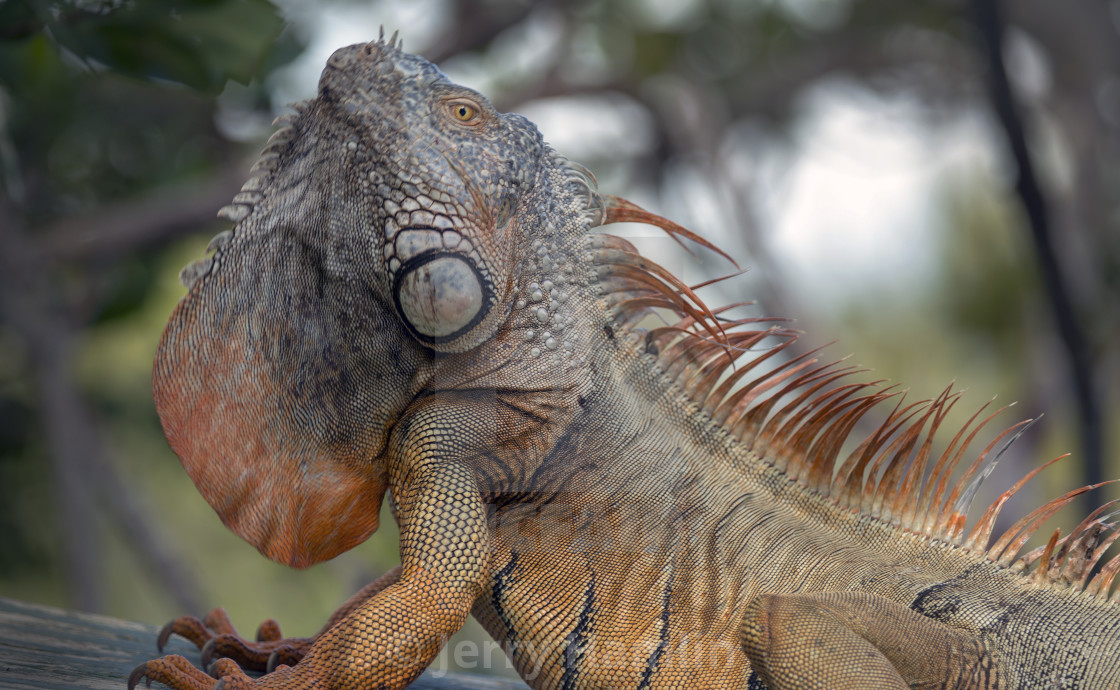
933, 184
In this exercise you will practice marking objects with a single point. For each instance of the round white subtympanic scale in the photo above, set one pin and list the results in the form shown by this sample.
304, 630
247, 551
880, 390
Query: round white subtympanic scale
442, 297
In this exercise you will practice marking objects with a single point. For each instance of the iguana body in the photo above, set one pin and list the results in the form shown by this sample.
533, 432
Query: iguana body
414, 300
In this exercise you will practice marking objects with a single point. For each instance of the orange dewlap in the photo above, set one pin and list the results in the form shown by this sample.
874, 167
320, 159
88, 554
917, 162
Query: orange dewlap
273, 474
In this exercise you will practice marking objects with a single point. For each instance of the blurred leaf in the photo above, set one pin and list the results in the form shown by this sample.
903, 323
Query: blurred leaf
24, 485
199, 43
988, 279
18, 19
127, 287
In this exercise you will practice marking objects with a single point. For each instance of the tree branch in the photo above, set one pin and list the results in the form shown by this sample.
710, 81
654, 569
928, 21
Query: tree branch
990, 26
125, 227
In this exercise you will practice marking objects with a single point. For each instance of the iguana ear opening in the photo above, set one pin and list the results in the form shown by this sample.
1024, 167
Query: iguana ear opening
445, 292
442, 296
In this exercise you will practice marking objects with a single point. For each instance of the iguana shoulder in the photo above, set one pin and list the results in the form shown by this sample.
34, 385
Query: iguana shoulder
626, 486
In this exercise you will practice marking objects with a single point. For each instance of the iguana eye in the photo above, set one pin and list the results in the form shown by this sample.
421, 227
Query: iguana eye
463, 112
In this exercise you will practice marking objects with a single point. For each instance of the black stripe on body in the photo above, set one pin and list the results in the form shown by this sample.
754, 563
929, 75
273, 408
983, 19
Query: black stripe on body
506, 499
527, 412
541, 488
659, 651
563, 464
502, 580
576, 641
722, 523
761, 522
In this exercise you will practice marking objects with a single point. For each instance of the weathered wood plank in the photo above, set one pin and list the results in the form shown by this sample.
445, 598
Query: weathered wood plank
44, 648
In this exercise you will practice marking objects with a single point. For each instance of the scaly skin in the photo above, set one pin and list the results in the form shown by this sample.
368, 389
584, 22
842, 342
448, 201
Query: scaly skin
413, 301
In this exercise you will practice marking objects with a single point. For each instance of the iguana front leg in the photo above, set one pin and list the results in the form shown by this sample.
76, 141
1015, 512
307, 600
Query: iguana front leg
391, 637
852, 640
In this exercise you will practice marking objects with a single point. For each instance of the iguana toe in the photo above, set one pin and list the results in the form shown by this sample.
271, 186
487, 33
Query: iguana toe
286, 655
173, 671
254, 656
269, 631
209, 652
216, 638
229, 675
188, 627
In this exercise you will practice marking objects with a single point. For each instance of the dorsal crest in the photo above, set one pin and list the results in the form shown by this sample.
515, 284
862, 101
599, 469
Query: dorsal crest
799, 414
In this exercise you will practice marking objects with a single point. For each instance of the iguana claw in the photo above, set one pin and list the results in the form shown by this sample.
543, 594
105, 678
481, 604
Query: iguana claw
216, 637
199, 631
139, 673
176, 672
208, 651
285, 655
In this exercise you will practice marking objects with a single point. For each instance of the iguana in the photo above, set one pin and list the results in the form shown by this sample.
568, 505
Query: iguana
416, 301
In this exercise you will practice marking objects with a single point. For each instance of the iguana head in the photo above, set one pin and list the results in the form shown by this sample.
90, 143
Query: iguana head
445, 176
378, 230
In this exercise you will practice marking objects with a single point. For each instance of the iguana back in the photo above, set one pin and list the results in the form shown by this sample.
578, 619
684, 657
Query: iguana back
417, 299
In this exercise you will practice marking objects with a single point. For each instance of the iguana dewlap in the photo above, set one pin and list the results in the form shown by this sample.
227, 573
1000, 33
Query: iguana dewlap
416, 299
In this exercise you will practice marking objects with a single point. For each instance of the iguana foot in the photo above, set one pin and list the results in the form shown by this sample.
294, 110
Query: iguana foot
217, 638
179, 674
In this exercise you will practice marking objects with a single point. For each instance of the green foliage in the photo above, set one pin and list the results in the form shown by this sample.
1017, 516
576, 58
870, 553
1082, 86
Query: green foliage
94, 112
990, 282
102, 106
199, 43
24, 546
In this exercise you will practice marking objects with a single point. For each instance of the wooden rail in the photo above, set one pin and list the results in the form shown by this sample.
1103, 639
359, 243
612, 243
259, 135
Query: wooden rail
44, 648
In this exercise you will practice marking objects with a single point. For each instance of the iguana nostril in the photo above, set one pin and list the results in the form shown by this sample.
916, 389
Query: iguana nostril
441, 296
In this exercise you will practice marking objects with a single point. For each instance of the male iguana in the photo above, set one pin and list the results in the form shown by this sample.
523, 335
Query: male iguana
415, 299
